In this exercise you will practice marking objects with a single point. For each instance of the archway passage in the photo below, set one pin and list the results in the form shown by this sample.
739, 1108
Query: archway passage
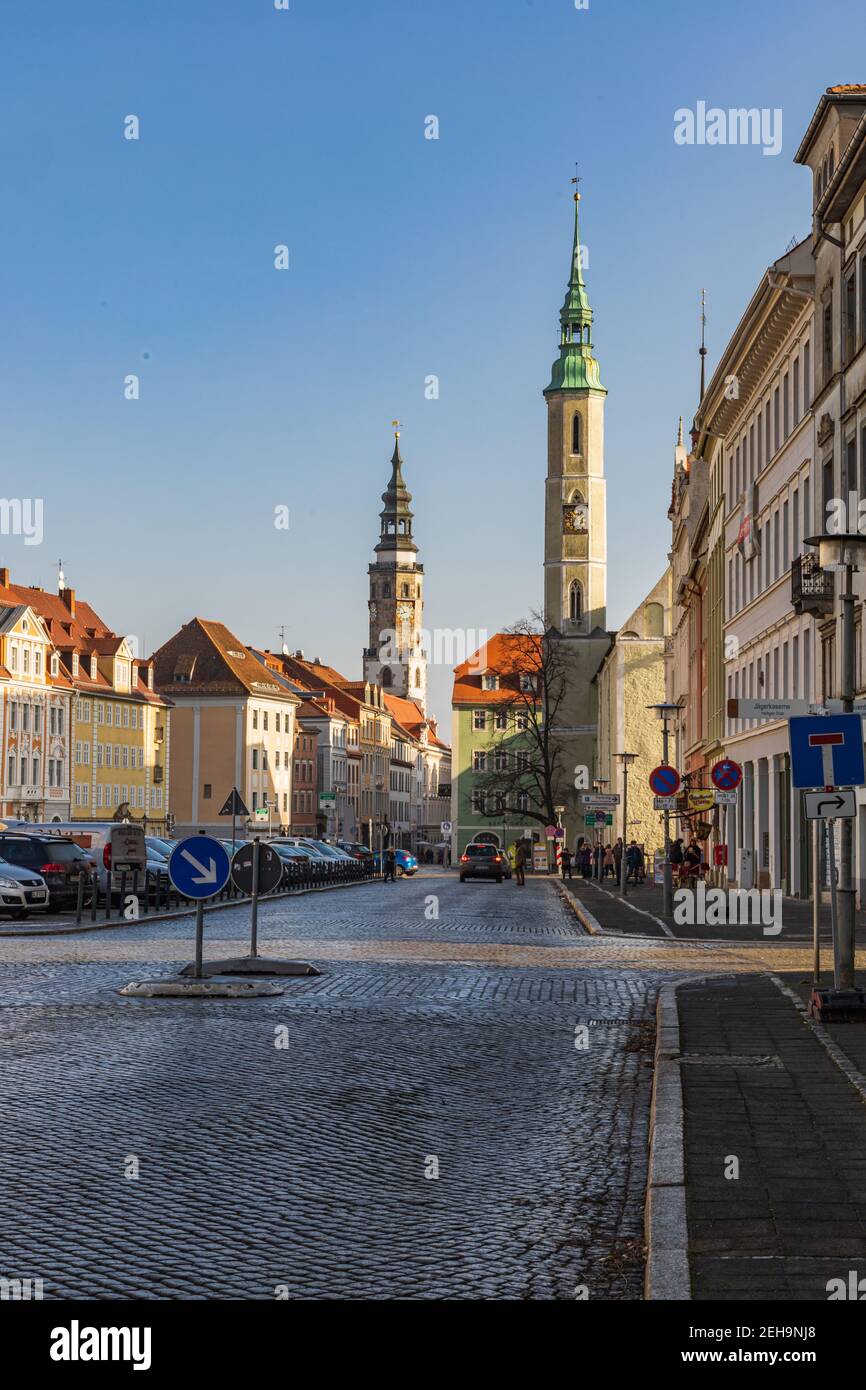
486, 837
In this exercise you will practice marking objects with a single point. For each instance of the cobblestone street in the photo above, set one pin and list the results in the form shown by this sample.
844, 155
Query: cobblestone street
444, 1042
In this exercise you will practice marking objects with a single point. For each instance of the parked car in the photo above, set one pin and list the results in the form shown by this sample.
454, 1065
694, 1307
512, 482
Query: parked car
59, 862
482, 861
21, 890
115, 848
406, 863
328, 850
356, 851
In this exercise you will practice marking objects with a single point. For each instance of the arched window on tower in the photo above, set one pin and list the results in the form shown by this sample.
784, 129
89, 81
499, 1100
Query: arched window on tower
387, 678
405, 591
575, 602
654, 620
575, 433
417, 676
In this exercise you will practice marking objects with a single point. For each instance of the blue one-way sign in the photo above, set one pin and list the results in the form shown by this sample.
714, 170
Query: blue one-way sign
827, 750
199, 867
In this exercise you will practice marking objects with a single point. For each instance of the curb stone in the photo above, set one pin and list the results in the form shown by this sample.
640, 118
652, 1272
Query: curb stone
665, 1223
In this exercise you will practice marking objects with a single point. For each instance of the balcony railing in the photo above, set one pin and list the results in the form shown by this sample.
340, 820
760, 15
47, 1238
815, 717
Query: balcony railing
811, 587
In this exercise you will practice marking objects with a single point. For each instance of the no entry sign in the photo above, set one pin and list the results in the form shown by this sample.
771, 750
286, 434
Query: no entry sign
664, 780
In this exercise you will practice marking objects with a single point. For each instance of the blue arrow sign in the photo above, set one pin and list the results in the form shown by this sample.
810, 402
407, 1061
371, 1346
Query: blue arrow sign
827, 750
199, 867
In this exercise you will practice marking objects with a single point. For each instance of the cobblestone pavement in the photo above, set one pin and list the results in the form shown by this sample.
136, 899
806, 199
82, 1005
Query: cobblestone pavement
426, 1041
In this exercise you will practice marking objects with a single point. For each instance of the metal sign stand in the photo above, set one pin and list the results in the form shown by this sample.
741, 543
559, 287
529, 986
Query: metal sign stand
816, 903
254, 964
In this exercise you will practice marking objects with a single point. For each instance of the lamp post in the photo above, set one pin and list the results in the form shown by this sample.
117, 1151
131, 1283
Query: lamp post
625, 761
598, 786
666, 710
844, 552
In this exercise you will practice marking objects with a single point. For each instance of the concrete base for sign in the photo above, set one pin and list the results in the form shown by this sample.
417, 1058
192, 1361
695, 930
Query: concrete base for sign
829, 1005
254, 965
174, 987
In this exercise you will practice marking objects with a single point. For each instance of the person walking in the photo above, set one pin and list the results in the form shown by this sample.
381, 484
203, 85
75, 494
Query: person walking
617, 859
565, 862
390, 865
677, 859
520, 865
693, 861
608, 866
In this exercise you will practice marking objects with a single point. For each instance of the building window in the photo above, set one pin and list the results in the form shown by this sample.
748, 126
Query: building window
828, 339
479, 761
479, 719
849, 317
207, 791
501, 720
255, 719
575, 434
575, 602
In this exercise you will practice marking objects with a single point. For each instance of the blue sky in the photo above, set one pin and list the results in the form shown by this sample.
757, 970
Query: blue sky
408, 257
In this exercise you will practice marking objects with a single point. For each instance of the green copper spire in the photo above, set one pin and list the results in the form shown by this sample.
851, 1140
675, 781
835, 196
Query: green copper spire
576, 369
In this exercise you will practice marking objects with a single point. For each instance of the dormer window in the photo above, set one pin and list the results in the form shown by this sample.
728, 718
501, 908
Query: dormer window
94, 668
489, 682
75, 663
55, 664
527, 683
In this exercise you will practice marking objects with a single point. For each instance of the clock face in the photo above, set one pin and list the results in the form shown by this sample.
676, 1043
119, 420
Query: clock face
404, 612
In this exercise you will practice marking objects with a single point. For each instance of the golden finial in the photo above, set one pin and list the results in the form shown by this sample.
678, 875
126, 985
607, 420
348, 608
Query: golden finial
576, 180
396, 426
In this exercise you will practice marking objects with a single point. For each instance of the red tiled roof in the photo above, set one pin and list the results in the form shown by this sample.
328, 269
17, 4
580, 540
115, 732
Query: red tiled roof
215, 662
508, 655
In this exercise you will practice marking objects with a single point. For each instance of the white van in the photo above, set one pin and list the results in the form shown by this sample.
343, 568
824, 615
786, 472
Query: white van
115, 847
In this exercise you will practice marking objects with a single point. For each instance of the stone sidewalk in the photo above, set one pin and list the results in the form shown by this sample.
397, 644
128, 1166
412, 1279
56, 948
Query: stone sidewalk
774, 1141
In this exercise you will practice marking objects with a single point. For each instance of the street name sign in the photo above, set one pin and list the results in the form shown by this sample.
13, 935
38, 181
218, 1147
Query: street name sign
827, 751
664, 780
831, 805
599, 799
726, 798
664, 803
199, 867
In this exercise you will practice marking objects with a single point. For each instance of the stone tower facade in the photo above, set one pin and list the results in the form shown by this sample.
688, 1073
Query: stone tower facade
394, 657
575, 535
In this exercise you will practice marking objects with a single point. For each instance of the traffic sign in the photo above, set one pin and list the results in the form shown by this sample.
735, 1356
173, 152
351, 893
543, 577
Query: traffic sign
550, 832
830, 805
560, 833
827, 751
597, 799
664, 803
199, 867
234, 805
270, 869
726, 775
445, 827
664, 780
726, 798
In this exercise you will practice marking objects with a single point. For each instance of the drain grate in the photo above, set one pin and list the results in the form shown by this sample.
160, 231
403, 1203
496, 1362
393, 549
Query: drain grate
728, 1059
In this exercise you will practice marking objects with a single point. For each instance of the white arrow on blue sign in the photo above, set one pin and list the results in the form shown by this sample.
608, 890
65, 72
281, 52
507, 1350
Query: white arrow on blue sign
827, 751
199, 867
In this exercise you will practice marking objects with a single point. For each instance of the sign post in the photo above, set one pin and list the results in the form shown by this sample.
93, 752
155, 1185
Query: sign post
234, 807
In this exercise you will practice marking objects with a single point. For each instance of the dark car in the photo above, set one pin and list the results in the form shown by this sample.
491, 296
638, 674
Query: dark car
482, 861
60, 862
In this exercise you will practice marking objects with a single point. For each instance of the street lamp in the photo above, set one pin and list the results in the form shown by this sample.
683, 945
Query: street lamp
666, 710
625, 761
844, 551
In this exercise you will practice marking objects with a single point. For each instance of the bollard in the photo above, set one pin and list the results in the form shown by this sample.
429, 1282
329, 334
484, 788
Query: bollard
122, 902
146, 890
107, 894
79, 906
94, 894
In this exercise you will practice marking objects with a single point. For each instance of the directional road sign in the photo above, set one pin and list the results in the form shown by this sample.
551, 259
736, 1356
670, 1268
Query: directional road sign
270, 869
199, 867
830, 805
726, 775
595, 800
664, 780
827, 751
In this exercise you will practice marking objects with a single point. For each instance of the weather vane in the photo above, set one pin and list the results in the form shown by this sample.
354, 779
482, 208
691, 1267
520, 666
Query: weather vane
576, 180
396, 425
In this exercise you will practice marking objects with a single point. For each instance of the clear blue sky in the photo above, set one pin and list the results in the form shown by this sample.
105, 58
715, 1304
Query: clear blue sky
409, 257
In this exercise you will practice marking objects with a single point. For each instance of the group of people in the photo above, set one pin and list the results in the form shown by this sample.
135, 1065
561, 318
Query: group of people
686, 863
604, 861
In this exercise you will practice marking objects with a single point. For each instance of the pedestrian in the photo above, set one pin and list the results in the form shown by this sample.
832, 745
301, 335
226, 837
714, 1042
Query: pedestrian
586, 859
693, 861
390, 865
608, 866
631, 862
565, 862
520, 865
617, 859
677, 859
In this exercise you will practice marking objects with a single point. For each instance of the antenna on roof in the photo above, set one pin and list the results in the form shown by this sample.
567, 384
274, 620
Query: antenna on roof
61, 578
284, 646
703, 348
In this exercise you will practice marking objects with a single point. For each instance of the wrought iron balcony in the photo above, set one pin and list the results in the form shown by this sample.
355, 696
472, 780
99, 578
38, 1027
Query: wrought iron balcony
811, 587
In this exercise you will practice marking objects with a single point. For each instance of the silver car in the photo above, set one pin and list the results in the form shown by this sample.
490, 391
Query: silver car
21, 890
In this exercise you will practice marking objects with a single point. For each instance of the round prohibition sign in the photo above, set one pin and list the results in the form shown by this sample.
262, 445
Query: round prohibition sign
664, 780
726, 775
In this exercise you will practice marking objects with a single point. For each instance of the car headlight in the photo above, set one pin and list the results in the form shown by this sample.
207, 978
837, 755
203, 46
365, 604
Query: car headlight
9, 883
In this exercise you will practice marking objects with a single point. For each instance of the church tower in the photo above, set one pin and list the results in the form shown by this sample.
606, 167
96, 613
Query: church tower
575, 551
575, 540
394, 658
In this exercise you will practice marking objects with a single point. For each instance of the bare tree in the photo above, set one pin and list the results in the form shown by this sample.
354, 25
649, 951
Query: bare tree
524, 760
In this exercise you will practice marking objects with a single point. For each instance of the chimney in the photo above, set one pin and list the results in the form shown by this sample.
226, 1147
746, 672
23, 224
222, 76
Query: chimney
68, 597
4, 578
